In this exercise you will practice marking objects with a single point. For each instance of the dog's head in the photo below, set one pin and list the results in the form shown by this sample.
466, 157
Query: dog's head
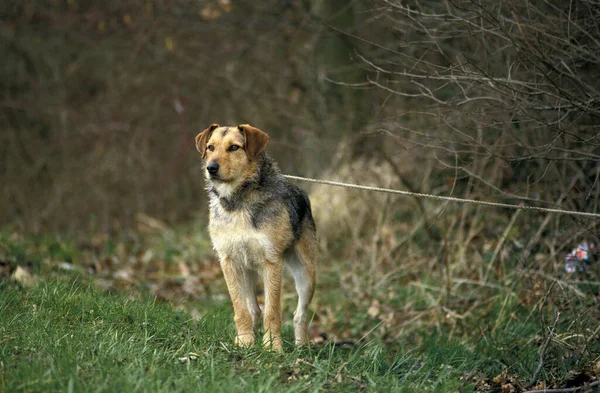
230, 152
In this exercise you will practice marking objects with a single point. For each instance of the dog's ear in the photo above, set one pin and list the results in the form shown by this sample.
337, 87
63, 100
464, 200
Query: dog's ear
202, 138
256, 140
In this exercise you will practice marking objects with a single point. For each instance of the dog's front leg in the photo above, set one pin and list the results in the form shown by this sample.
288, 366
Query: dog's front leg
273, 271
242, 317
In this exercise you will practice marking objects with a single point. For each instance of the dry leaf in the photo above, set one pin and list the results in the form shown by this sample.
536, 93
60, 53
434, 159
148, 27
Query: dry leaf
374, 309
507, 388
500, 378
540, 386
596, 367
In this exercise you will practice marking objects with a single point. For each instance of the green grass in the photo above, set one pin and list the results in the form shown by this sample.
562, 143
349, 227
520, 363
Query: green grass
65, 336
68, 334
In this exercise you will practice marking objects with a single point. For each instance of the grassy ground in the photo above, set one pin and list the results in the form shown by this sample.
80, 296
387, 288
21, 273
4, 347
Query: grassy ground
81, 322
65, 336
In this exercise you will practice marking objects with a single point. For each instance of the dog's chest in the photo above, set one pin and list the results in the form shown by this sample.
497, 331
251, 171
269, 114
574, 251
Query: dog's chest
233, 236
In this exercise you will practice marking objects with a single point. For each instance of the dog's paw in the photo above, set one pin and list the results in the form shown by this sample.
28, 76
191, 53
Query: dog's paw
273, 342
244, 340
302, 341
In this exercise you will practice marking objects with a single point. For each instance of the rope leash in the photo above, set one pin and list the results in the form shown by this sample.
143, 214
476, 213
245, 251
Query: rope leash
444, 198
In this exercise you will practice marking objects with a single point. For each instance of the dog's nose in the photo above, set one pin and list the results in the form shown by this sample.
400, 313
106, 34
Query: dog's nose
212, 168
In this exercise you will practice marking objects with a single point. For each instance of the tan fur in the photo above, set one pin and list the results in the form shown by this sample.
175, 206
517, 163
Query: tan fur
245, 251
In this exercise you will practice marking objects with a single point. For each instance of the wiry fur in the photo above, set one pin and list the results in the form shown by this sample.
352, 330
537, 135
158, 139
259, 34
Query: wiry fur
259, 223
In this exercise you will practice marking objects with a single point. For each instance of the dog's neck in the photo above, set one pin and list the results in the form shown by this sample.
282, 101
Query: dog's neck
224, 190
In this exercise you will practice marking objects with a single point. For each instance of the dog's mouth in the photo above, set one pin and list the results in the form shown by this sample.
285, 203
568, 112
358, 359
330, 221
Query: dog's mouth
215, 177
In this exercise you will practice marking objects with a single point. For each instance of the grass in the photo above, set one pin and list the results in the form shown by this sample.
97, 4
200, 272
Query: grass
62, 335
68, 333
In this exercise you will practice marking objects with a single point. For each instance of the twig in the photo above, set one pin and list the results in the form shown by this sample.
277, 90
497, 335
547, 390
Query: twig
593, 334
480, 283
536, 237
590, 338
501, 243
543, 349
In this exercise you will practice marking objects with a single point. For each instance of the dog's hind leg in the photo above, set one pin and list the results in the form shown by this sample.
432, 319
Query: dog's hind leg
249, 294
303, 270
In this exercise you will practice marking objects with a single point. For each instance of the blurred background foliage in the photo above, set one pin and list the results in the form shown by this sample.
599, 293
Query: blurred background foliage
100, 101
498, 101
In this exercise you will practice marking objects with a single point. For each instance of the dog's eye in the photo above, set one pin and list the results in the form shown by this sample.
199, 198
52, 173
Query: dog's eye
233, 147
211, 148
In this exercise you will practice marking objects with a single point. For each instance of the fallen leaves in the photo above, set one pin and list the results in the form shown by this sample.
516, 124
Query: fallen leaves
169, 266
374, 309
175, 280
503, 383
508, 383
539, 386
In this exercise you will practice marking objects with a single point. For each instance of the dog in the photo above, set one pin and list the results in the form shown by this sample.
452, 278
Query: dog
259, 223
